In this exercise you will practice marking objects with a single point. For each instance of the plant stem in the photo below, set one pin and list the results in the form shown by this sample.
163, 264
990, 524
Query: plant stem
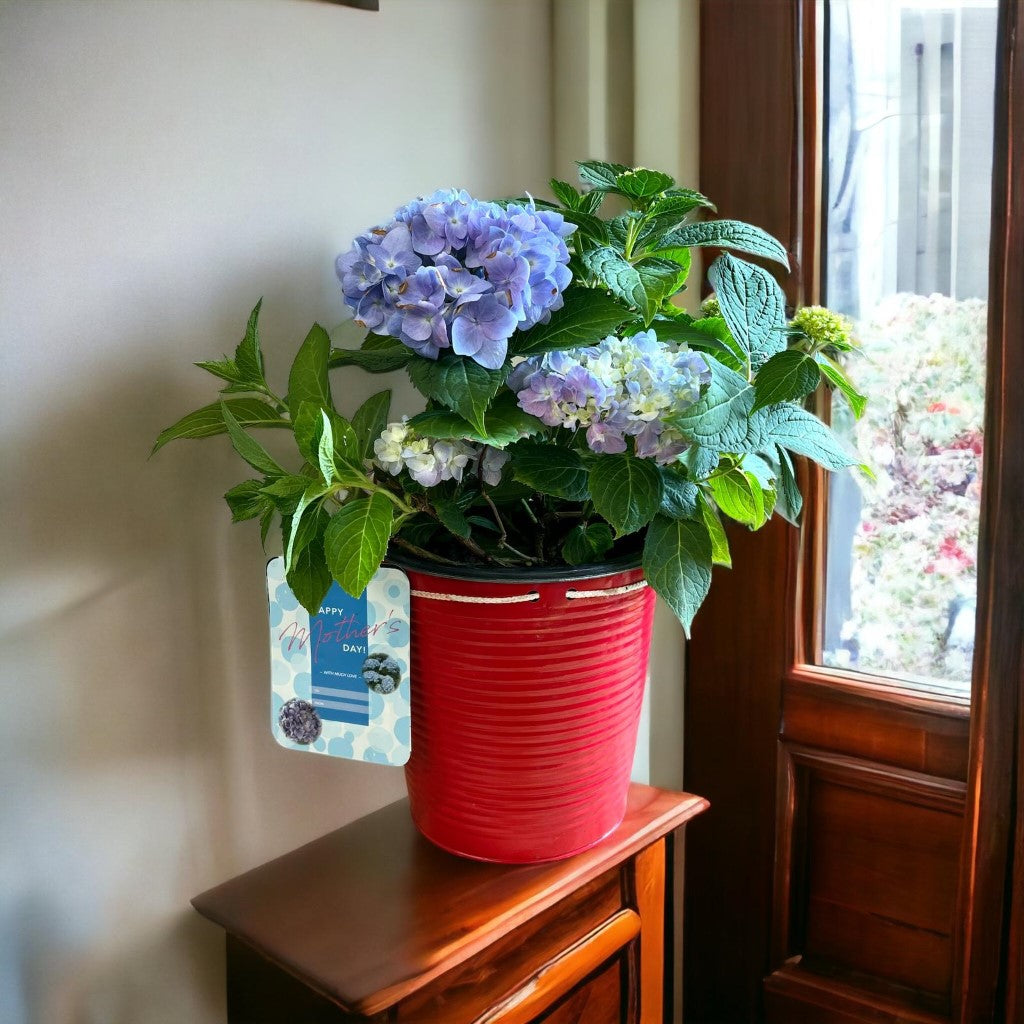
422, 552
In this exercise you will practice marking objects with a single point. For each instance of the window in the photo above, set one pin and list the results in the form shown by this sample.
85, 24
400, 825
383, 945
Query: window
909, 117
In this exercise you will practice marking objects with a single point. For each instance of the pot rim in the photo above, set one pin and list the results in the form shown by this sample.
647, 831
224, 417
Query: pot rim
512, 575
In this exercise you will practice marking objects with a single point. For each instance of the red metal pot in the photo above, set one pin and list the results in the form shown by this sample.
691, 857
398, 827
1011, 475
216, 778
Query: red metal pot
526, 693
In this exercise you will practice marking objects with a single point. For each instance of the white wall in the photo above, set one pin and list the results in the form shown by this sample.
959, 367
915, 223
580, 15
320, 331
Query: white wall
162, 166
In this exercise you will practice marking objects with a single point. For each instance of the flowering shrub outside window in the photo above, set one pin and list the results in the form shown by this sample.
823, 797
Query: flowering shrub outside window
912, 544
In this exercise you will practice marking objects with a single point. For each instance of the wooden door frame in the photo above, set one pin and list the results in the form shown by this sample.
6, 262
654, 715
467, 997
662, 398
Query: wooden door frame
759, 153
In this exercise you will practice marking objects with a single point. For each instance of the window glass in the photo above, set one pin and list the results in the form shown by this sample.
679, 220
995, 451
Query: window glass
909, 119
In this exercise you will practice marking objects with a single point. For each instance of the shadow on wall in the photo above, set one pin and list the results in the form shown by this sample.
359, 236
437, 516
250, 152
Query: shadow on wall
139, 763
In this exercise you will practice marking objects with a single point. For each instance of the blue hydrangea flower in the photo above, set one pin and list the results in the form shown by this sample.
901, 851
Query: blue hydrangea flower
450, 271
620, 388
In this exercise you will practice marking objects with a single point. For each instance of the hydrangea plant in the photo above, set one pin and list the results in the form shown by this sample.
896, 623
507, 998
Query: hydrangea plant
573, 412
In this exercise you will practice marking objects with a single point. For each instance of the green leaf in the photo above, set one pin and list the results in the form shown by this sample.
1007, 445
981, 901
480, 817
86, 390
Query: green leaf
251, 450
677, 564
307, 426
678, 496
504, 423
790, 500
752, 304
307, 380
369, 421
800, 431
719, 420
556, 471
209, 421
356, 541
729, 234
266, 521
660, 279
700, 462
286, 491
620, 276
586, 543
719, 541
642, 183
451, 516
325, 449
709, 335
246, 501
248, 357
459, 383
568, 195
837, 377
786, 376
378, 355
587, 316
297, 536
626, 491
740, 496
591, 201
600, 174
666, 213
589, 226
309, 578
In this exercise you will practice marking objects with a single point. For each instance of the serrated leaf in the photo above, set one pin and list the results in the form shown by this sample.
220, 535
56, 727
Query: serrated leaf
223, 368
788, 375
642, 183
452, 517
677, 564
556, 471
382, 358
298, 537
589, 226
248, 357
249, 449
307, 379
586, 317
369, 420
836, 376
753, 306
700, 462
660, 279
790, 500
568, 195
740, 496
325, 449
665, 213
708, 335
729, 234
459, 383
356, 540
678, 496
620, 276
586, 543
796, 429
309, 578
209, 421
719, 420
720, 554
266, 521
247, 501
504, 423
286, 491
591, 201
600, 174
626, 491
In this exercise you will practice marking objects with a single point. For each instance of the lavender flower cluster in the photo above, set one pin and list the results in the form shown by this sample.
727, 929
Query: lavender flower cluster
619, 388
451, 271
430, 461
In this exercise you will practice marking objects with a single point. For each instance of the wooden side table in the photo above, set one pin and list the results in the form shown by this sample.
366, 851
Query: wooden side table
374, 923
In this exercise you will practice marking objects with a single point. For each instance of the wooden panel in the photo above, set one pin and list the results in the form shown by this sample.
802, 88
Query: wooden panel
924, 736
867, 875
794, 995
542, 950
599, 1001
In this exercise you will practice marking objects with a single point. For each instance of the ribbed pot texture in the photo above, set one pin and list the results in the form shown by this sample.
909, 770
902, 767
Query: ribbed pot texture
525, 715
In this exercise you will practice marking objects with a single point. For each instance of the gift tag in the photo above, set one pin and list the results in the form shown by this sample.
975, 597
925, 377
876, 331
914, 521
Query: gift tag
340, 678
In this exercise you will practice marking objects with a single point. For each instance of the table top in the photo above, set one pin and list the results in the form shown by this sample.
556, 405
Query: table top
372, 912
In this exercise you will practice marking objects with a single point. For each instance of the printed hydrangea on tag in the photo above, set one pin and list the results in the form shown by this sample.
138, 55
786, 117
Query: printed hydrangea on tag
340, 678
